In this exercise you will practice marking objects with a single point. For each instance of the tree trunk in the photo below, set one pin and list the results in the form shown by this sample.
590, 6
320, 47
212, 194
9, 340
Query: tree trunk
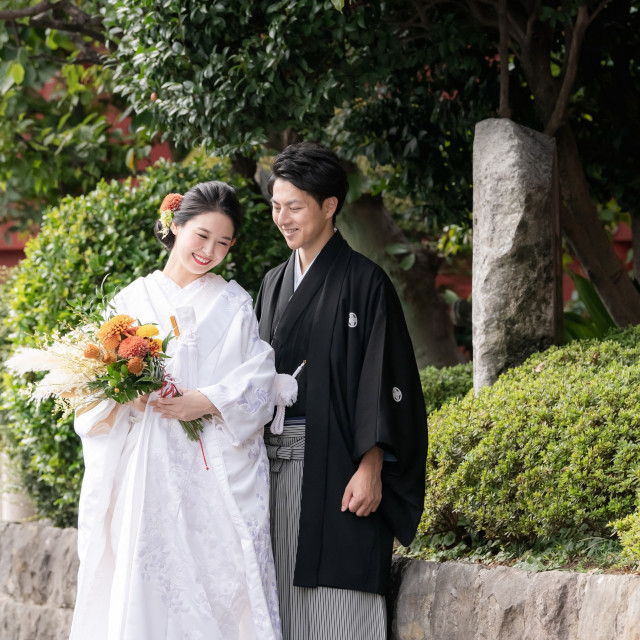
588, 239
579, 218
369, 229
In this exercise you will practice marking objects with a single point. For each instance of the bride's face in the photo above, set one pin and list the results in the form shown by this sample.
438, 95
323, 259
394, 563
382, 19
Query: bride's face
201, 243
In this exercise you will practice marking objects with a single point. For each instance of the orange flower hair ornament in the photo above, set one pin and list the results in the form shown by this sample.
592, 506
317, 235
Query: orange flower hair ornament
170, 204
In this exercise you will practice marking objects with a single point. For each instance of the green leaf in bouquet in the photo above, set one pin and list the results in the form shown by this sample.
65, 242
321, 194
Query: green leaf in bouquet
166, 342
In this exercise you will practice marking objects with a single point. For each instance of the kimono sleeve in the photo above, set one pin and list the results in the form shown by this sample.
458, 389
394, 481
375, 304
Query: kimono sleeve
390, 413
244, 393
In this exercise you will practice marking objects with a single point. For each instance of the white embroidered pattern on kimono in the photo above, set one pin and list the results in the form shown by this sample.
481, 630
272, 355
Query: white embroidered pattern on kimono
168, 549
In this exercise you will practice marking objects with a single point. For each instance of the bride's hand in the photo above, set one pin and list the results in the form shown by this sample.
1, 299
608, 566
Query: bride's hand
191, 405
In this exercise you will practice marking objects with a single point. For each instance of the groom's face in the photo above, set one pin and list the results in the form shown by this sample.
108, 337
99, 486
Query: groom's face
304, 223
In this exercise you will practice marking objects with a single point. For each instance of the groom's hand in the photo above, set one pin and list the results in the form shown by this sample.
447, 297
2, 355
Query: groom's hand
364, 491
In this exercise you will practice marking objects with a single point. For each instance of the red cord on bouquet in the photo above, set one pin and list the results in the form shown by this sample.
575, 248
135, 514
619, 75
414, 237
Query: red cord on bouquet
206, 466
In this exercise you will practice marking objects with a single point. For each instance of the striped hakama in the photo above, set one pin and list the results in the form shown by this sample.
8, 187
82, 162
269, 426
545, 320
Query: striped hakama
321, 613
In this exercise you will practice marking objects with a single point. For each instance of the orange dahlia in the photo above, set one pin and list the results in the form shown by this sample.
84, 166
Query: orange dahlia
135, 365
110, 333
171, 202
92, 351
133, 347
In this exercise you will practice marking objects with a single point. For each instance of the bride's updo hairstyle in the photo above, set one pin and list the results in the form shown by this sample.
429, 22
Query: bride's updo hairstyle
205, 197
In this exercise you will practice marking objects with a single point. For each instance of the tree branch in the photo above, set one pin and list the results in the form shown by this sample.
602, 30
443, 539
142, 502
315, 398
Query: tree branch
68, 27
559, 114
78, 21
533, 17
483, 17
598, 9
492, 18
27, 12
504, 110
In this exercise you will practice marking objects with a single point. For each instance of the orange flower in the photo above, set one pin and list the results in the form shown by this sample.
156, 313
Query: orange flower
171, 202
133, 346
110, 342
135, 365
155, 346
109, 357
92, 351
110, 333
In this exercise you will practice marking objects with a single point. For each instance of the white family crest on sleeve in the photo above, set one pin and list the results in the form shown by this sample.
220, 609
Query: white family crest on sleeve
397, 394
353, 320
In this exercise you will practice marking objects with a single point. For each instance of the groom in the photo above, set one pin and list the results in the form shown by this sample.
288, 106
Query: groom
347, 472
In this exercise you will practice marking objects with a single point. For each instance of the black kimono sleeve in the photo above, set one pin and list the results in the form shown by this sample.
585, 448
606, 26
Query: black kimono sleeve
390, 398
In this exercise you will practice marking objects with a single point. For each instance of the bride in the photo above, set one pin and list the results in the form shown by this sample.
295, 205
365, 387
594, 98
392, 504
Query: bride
173, 535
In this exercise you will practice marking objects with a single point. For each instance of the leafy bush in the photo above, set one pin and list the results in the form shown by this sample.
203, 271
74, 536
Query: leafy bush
628, 530
554, 445
440, 386
108, 231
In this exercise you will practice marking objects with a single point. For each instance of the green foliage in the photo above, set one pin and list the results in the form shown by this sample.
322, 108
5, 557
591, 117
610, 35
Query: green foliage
5, 275
402, 83
569, 548
124, 386
232, 76
420, 116
628, 529
56, 122
440, 386
552, 445
229, 75
595, 322
107, 232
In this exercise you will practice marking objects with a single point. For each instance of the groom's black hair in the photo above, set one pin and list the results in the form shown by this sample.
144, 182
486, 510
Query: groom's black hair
313, 169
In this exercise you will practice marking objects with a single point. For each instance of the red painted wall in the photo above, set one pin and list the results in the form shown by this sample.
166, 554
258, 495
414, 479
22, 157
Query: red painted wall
11, 252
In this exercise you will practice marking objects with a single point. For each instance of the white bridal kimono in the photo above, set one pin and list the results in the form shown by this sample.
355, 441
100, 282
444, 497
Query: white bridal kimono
169, 550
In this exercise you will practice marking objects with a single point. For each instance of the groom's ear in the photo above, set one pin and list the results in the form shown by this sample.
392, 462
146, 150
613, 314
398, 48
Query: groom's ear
329, 206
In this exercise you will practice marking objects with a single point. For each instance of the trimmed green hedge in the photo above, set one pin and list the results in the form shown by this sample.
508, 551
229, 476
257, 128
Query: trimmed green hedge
108, 231
553, 445
440, 386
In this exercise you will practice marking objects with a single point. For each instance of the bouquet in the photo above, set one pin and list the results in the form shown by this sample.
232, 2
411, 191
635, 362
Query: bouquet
119, 359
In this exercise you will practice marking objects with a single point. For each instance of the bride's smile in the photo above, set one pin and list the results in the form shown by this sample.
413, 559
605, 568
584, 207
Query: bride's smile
201, 243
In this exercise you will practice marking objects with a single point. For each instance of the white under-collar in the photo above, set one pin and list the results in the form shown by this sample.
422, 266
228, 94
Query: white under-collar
297, 271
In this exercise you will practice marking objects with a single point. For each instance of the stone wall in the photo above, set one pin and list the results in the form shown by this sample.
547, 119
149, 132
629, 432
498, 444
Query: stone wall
433, 601
464, 601
38, 568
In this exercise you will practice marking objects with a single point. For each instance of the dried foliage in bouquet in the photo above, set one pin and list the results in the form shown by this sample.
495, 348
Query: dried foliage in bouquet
119, 358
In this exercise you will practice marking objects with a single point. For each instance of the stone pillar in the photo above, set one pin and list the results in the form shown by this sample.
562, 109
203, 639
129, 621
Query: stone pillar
517, 296
15, 505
